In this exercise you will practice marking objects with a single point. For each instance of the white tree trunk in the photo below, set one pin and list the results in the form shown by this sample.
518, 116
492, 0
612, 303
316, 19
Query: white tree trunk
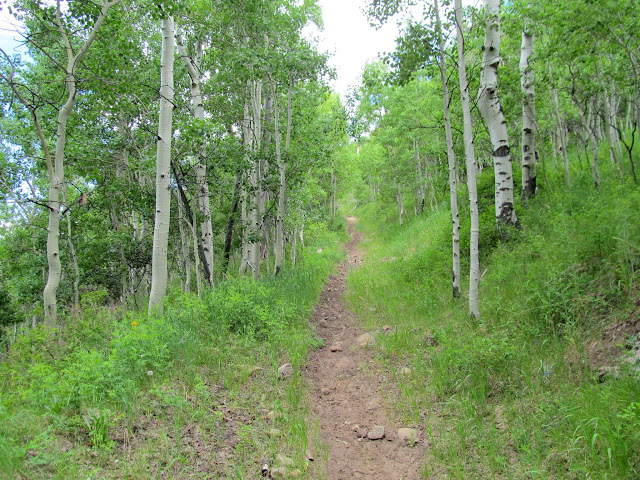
247, 136
204, 205
399, 201
474, 271
451, 158
528, 117
163, 166
254, 177
56, 170
489, 105
561, 136
185, 247
74, 259
333, 206
282, 170
595, 170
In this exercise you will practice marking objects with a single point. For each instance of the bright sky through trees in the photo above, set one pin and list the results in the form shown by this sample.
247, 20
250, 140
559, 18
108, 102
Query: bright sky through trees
348, 35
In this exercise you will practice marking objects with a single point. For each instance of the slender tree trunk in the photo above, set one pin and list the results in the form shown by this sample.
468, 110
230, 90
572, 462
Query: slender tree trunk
561, 136
56, 171
74, 259
247, 136
230, 223
333, 207
474, 274
594, 145
282, 169
204, 205
451, 157
185, 247
489, 105
590, 124
196, 257
399, 202
528, 117
254, 184
159, 272
294, 244
554, 149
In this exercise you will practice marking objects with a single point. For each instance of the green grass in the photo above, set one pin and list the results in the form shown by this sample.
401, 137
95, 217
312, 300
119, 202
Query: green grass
514, 394
187, 393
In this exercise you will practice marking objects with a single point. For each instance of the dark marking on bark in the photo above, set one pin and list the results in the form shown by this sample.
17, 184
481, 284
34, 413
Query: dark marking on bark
504, 219
502, 151
529, 188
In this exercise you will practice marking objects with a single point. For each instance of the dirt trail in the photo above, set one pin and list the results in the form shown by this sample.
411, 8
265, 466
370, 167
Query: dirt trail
347, 395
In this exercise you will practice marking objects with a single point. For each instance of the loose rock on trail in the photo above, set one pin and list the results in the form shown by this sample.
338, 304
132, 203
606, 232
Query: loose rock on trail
347, 403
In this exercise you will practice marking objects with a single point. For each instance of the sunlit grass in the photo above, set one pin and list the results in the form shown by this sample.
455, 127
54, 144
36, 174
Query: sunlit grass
514, 394
187, 394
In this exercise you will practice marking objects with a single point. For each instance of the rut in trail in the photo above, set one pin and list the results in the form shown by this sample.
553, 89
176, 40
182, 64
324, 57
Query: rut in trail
347, 395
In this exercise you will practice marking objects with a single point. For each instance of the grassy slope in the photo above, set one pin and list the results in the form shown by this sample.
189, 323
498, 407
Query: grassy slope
514, 395
186, 395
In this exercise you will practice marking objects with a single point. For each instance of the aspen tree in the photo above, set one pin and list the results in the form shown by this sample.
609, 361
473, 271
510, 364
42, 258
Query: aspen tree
55, 164
474, 272
453, 186
159, 272
192, 62
528, 116
491, 109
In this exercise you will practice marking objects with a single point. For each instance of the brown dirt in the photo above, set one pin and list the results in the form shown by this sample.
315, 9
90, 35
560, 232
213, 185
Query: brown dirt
346, 391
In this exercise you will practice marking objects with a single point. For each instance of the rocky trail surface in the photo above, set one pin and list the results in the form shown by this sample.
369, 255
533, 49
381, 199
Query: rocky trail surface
360, 438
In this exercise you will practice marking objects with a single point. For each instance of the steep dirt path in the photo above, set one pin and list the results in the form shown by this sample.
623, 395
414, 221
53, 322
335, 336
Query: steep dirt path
346, 396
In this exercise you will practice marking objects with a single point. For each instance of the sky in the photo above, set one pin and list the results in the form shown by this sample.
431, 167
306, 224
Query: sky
350, 39
7, 31
353, 42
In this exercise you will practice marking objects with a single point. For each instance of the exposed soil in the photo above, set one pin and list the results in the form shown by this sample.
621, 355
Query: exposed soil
347, 401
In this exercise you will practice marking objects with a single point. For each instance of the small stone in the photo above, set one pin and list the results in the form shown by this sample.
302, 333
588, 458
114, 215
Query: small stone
279, 473
283, 461
274, 432
361, 432
325, 391
408, 435
273, 415
373, 404
376, 433
319, 250
405, 371
355, 427
365, 340
309, 455
336, 348
387, 328
285, 371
